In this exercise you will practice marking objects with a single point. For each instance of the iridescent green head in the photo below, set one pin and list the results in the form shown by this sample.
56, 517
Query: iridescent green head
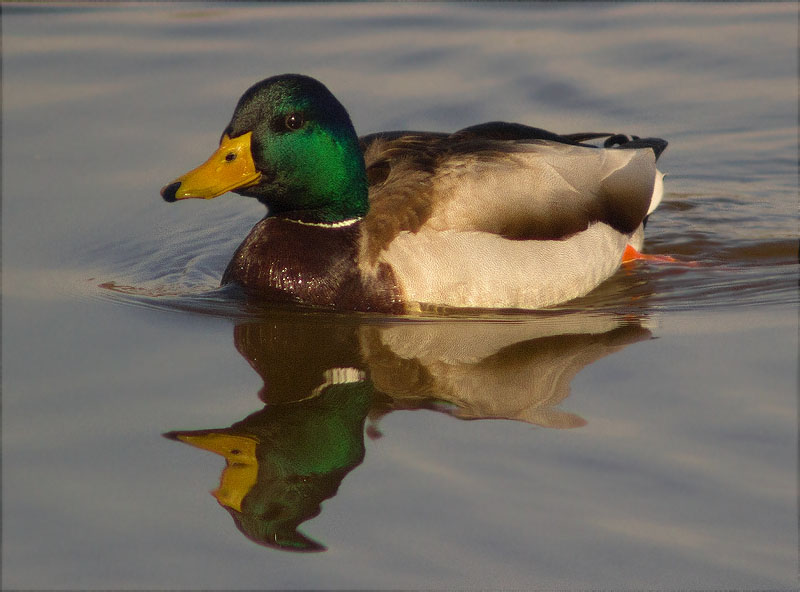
291, 145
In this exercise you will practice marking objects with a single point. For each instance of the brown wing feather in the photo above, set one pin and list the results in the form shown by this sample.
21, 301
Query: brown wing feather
400, 171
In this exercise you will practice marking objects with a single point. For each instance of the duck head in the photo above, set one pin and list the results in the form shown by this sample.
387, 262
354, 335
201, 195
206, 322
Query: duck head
291, 145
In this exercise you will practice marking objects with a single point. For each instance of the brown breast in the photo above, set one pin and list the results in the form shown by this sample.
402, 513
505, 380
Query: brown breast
284, 260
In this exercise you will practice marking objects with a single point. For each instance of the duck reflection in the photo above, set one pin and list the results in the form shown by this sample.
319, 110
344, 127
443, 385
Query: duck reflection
325, 377
283, 461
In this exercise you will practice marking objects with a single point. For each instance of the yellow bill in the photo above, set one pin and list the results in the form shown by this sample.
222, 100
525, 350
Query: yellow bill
230, 167
241, 469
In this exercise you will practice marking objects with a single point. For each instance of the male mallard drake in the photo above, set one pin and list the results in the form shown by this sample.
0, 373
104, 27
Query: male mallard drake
497, 215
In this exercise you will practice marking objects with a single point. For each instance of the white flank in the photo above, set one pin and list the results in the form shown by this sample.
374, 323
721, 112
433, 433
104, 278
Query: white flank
485, 270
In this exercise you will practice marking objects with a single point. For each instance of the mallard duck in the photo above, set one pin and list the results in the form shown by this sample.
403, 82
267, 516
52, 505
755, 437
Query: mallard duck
497, 215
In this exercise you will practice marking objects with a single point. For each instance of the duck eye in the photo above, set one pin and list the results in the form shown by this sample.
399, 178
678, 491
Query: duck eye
294, 121
230, 157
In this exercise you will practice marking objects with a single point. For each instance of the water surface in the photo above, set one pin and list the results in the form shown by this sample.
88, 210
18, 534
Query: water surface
644, 436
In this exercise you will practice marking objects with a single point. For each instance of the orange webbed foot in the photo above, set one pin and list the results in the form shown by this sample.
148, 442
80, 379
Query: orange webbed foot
632, 254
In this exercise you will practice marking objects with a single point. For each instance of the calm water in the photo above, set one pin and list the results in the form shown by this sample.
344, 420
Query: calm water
643, 437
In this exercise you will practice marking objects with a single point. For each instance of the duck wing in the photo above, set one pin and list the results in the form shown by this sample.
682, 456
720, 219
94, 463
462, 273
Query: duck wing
540, 189
508, 179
